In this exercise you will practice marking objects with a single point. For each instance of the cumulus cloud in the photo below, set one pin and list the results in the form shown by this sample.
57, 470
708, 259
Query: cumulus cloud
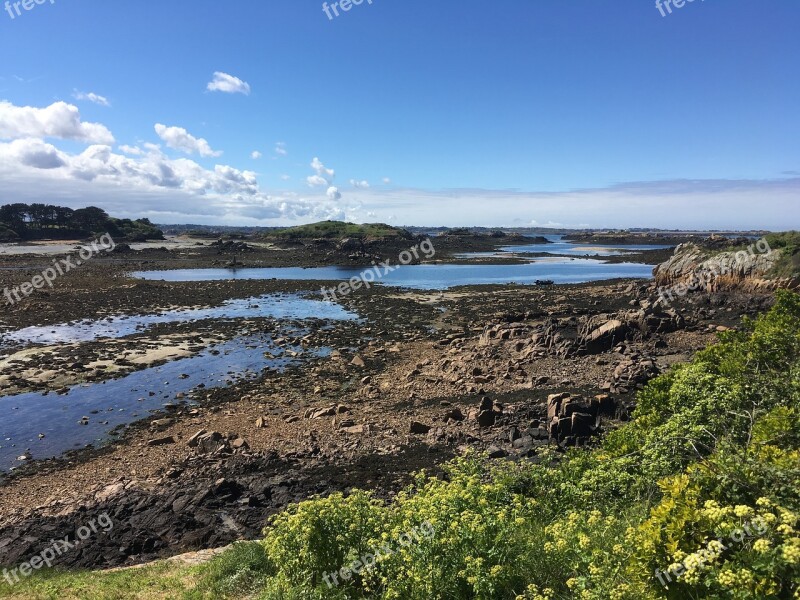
362, 185
386, 181
151, 184
178, 138
324, 176
280, 149
222, 82
255, 155
91, 97
316, 181
132, 150
333, 193
59, 120
32, 153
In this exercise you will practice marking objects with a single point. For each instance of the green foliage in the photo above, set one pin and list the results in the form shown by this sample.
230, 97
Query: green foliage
132, 231
7, 234
340, 230
714, 445
44, 221
788, 242
242, 569
697, 498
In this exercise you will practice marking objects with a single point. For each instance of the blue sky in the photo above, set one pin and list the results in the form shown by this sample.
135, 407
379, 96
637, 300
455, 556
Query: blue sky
514, 112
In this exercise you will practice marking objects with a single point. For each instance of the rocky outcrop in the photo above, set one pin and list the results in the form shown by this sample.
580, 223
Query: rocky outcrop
572, 419
578, 336
693, 268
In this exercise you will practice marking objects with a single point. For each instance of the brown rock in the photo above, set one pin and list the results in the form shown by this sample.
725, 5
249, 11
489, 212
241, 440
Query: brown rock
161, 441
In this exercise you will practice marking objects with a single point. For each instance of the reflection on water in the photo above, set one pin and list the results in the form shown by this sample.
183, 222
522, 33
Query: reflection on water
443, 276
278, 306
429, 277
45, 425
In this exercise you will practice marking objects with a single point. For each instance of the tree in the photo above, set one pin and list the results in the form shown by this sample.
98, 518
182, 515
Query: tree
90, 219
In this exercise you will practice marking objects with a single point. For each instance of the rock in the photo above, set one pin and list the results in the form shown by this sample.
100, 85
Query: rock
240, 444
165, 441
487, 418
604, 405
109, 491
599, 337
358, 362
418, 428
261, 422
211, 442
486, 404
454, 415
538, 433
193, 440
496, 452
354, 429
554, 402
583, 425
319, 413
523, 442
692, 268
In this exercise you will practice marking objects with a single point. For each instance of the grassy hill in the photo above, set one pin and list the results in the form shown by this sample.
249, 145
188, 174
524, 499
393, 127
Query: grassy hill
341, 230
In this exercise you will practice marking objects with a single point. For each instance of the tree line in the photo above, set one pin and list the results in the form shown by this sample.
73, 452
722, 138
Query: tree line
46, 221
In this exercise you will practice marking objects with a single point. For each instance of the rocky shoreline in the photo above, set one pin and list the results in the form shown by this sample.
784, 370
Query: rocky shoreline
424, 376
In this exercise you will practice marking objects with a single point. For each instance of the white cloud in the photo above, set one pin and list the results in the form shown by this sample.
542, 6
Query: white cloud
323, 177
153, 185
285, 177
222, 82
91, 97
316, 181
132, 150
333, 193
182, 191
59, 120
362, 185
280, 149
255, 155
178, 138
386, 181
33, 153
674, 204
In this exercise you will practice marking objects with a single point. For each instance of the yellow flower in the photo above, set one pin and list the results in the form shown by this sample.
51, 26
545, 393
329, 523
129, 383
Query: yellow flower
727, 579
791, 551
572, 583
761, 546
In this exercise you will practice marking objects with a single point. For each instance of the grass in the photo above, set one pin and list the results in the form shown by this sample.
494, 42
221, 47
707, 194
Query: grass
788, 242
789, 245
237, 573
160, 580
